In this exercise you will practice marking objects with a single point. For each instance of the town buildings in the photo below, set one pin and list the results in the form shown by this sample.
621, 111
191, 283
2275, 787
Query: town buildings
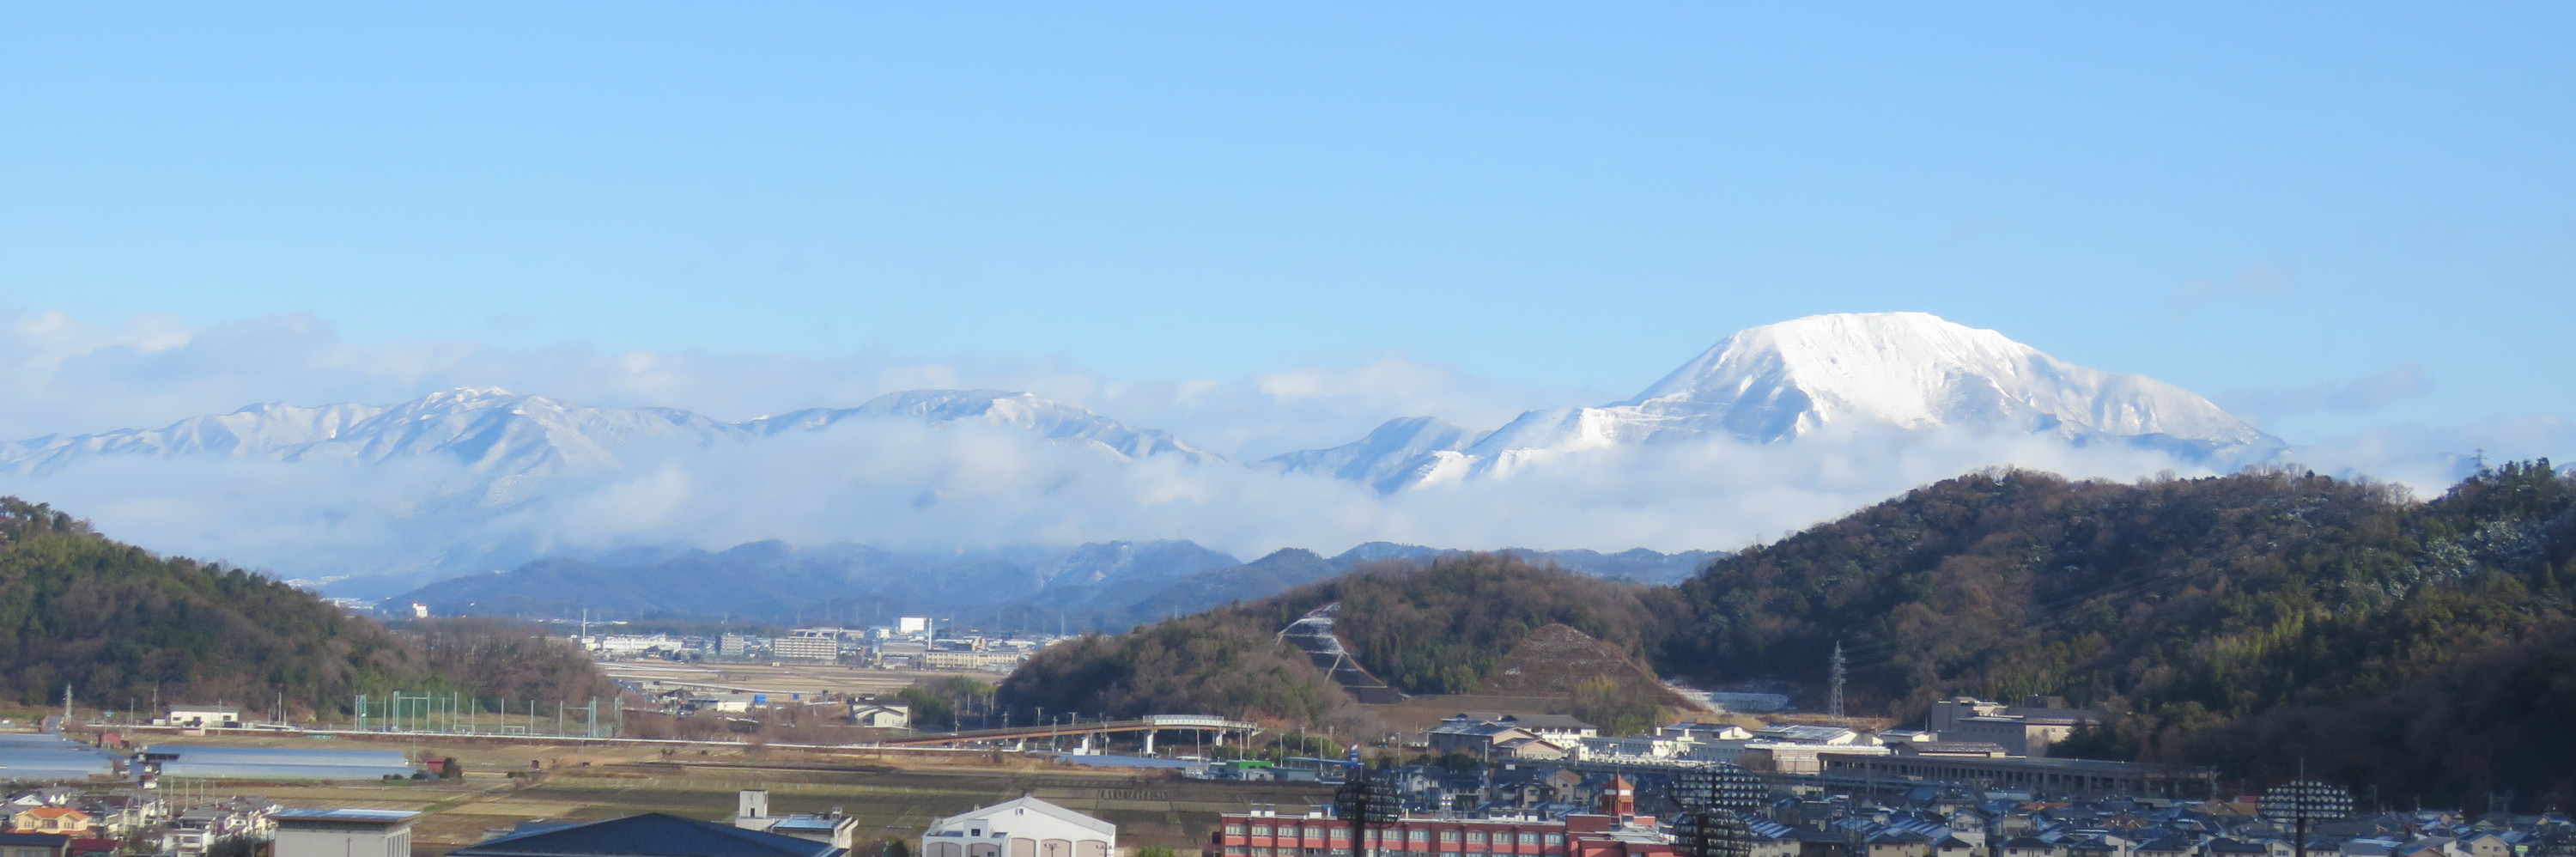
1613, 830
2022, 730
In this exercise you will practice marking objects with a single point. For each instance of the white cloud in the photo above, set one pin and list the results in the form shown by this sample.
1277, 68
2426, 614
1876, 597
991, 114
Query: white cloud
904, 485
63, 375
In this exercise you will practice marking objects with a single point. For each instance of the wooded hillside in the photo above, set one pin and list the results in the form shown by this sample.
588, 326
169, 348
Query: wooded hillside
2250, 621
1439, 625
122, 627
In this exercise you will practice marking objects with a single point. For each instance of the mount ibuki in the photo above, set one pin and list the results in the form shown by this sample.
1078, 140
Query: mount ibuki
479, 479
1813, 378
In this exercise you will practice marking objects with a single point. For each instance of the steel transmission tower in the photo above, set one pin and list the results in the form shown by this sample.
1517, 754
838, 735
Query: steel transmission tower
1834, 681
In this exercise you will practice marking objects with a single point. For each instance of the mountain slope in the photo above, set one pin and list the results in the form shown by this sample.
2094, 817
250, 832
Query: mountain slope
2262, 623
122, 627
1438, 625
1820, 376
2218, 617
1915, 371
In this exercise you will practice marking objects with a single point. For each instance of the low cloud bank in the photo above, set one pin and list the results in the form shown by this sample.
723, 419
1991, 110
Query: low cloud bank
61, 375
909, 486
904, 485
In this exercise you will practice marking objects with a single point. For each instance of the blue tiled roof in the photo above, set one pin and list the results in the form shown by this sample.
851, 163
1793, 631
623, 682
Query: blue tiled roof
344, 814
650, 835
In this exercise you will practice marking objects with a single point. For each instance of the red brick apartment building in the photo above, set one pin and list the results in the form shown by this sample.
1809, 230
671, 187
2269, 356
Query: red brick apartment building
1617, 831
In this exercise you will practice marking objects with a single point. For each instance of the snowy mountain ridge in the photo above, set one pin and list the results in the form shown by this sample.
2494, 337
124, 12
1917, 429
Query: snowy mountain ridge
1819, 375
502, 435
477, 479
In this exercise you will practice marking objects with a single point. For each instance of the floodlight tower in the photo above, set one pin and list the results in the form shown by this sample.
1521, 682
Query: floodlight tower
1368, 800
1715, 799
2303, 801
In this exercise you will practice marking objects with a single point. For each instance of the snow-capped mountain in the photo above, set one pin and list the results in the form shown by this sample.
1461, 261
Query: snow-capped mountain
506, 438
1385, 454
1814, 376
1066, 424
478, 479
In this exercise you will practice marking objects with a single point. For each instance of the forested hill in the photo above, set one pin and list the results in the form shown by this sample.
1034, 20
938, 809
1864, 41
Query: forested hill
2250, 621
1435, 625
120, 626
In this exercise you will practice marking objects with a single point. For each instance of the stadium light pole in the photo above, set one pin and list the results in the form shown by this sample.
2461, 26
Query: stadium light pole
1367, 800
1715, 800
2302, 801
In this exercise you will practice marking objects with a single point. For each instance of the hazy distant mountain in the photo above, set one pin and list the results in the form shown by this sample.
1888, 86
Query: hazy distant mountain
1817, 377
501, 435
1111, 585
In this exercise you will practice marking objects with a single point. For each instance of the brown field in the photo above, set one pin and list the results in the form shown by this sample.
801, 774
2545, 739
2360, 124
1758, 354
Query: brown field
892, 794
808, 679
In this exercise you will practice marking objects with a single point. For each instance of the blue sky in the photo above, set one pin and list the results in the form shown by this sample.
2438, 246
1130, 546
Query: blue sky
2339, 217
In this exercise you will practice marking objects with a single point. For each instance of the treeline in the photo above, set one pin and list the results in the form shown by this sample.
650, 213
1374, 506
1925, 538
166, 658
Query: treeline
503, 661
2249, 621
1222, 662
122, 628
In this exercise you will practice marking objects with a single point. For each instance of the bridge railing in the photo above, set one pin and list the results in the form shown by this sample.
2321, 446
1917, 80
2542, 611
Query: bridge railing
1186, 720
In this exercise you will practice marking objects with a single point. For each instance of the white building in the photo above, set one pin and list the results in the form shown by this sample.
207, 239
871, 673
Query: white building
1025, 827
881, 715
808, 644
201, 716
344, 832
628, 645
751, 812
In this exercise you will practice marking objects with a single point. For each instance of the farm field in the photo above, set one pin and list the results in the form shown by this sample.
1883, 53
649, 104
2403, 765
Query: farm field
781, 678
892, 794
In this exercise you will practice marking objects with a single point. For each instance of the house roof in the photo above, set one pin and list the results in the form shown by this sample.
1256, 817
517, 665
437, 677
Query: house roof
652, 834
53, 812
1804, 733
1547, 721
35, 840
362, 816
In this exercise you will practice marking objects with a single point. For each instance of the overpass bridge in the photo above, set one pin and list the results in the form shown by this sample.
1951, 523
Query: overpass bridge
1148, 726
